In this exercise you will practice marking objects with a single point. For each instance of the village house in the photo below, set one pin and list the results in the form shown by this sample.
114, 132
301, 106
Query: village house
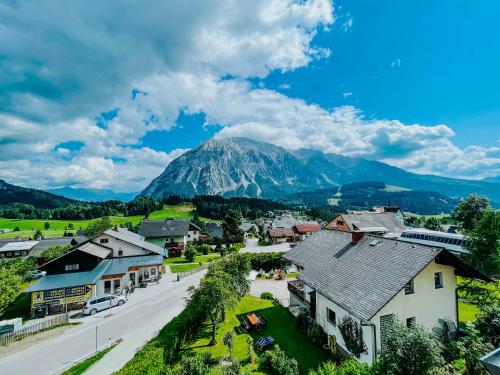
104, 264
249, 229
17, 249
385, 224
170, 234
305, 230
374, 280
279, 235
213, 230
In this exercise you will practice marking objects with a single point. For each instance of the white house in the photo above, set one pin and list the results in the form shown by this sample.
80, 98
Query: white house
106, 263
373, 280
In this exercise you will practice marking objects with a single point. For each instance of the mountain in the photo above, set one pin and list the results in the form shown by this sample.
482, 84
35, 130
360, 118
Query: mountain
235, 167
492, 179
92, 195
40, 199
243, 167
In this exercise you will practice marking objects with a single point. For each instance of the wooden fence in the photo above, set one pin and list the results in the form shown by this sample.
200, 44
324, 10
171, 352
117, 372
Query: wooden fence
33, 328
181, 275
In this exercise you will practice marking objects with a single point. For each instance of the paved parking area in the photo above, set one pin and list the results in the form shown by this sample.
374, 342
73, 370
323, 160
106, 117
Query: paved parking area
253, 247
277, 287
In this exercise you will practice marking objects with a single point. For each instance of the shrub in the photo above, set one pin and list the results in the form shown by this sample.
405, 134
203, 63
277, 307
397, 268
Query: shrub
352, 333
276, 362
410, 351
348, 367
266, 261
198, 364
190, 253
250, 349
266, 295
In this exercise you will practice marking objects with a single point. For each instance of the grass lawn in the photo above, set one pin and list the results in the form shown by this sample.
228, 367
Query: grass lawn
178, 268
467, 312
57, 227
197, 259
83, 366
281, 326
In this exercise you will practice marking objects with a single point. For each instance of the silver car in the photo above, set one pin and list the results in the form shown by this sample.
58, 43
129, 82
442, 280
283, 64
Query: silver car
103, 302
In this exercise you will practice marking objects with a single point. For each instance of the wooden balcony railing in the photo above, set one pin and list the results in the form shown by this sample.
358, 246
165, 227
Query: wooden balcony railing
297, 287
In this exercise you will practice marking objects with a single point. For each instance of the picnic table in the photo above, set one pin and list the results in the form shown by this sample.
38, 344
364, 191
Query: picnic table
253, 319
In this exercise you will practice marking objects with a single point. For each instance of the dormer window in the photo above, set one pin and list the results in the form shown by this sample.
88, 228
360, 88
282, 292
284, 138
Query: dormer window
104, 240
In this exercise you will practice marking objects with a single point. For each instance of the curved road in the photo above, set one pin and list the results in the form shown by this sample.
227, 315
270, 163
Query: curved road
145, 313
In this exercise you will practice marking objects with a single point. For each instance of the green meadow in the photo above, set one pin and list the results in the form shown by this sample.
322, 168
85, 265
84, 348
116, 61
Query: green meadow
27, 228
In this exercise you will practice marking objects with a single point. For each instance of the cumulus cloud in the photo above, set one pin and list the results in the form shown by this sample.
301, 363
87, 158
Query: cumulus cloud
58, 78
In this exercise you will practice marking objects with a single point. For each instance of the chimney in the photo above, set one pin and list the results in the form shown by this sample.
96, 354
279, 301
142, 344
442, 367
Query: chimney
116, 228
357, 236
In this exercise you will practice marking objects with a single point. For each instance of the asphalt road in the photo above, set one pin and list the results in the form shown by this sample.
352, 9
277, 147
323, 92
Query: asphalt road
146, 312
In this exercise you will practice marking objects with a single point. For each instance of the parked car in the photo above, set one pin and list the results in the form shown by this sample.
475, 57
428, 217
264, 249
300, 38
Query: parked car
37, 274
103, 302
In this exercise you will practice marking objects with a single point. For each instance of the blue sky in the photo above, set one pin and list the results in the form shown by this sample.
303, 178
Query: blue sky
109, 95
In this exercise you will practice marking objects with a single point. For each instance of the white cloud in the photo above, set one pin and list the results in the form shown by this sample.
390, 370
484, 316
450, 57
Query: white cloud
58, 77
346, 94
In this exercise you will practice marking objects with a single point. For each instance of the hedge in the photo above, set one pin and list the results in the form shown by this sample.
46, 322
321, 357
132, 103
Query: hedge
161, 350
267, 261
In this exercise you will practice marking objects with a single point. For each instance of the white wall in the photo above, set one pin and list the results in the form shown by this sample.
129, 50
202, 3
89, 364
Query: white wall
322, 303
427, 304
193, 235
117, 245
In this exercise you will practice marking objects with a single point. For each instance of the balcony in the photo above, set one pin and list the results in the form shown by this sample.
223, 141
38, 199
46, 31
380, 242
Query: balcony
297, 288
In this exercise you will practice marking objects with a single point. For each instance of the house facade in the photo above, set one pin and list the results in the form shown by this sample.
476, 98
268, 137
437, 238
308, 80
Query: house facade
375, 280
170, 234
383, 223
107, 263
280, 235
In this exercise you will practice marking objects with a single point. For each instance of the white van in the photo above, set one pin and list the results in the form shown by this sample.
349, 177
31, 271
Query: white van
102, 302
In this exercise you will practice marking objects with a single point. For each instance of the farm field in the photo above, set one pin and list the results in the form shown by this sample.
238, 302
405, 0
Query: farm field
28, 227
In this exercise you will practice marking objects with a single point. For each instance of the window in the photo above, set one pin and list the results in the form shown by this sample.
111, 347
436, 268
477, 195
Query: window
101, 300
340, 222
410, 322
153, 271
116, 284
17, 253
331, 316
438, 280
120, 253
104, 240
410, 287
71, 267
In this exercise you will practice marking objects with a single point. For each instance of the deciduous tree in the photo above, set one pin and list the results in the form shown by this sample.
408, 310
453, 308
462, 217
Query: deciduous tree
469, 210
484, 243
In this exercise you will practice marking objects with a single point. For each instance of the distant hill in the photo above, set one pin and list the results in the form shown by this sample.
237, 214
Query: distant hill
492, 179
365, 195
240, 167
38, 198
92, 195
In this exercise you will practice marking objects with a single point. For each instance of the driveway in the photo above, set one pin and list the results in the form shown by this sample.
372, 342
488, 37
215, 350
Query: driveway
145, 313
253, 247
277, 287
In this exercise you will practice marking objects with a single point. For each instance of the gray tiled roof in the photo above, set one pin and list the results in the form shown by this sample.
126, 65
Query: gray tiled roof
361, 277
214, 229
373, 220
163, 228
134, 239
